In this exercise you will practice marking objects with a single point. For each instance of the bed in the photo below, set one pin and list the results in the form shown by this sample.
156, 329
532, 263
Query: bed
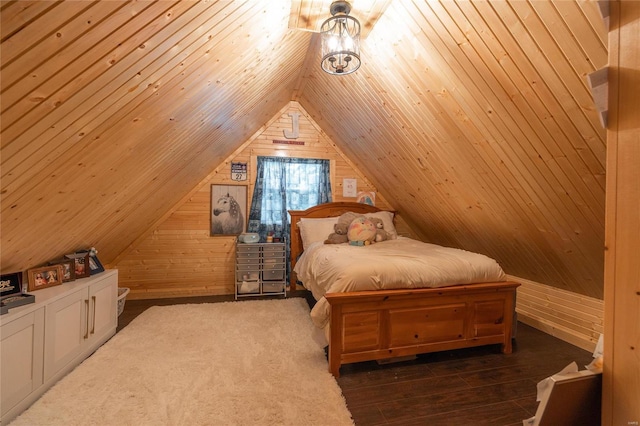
364, 322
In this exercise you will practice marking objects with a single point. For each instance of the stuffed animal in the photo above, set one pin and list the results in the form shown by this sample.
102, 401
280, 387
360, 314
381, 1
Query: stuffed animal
339, 235
361, 232
381, 234
341, 228
345, 219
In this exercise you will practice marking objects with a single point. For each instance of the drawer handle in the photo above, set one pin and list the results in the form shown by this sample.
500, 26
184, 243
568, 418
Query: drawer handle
86, 334
93, 321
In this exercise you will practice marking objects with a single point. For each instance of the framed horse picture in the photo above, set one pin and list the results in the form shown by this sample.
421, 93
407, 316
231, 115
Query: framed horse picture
228, 209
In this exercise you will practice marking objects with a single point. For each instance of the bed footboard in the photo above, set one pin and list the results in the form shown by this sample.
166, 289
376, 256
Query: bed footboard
371, 325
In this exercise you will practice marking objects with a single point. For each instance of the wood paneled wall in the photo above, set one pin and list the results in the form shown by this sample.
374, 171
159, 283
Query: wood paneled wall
476, 119
621, 379
112, 111
179, 258
572, 317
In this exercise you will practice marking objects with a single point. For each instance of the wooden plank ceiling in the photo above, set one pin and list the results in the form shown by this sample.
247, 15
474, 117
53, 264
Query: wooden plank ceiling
473, 119
308, 15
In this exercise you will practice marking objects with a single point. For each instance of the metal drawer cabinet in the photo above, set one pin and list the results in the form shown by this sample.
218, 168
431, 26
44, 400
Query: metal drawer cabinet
260, 269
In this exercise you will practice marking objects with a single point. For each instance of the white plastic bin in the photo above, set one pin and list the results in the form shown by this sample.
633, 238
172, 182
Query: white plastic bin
122, 297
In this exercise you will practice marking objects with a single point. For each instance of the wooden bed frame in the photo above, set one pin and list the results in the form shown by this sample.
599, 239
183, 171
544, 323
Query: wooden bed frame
382, 324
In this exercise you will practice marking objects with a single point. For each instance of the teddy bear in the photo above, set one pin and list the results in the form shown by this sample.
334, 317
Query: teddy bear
361, 232
381, 234
347, 218
339, 234
341, 228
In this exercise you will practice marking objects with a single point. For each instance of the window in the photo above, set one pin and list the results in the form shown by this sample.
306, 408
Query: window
284, 184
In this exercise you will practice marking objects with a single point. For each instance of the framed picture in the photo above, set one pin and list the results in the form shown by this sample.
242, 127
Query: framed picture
228, 209
81, 264
46, 276
68, 269
95, 265
366, 197
238, 171
11, 283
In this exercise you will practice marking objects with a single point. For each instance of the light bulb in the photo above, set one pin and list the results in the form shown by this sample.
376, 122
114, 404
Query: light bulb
333, 43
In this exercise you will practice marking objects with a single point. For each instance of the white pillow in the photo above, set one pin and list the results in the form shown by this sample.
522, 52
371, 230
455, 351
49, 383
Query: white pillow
387, 221
313, 230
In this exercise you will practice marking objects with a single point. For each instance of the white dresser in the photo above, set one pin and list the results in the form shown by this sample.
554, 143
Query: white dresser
43, 341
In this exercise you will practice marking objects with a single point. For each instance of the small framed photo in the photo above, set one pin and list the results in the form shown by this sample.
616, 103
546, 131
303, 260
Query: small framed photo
46, 276
228, 209
11, 283
81, 264
68, 269
94, 265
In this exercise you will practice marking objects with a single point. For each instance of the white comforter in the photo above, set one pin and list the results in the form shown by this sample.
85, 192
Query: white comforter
400, 263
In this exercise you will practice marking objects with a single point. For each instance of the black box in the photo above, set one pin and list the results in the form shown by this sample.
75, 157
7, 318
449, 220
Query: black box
11, 291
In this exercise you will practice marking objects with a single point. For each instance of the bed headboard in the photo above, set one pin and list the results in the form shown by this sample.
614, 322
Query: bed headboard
321, 210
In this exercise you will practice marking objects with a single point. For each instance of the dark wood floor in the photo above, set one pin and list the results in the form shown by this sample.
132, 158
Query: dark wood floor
478, 386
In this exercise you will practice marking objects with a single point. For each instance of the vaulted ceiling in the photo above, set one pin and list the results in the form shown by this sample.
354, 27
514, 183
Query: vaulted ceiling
474, 119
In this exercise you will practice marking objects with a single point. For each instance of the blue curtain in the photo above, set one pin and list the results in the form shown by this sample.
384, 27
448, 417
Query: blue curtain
286, 184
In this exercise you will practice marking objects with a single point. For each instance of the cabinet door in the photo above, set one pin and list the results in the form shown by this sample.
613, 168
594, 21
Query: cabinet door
103, 314
21, 358
66, 331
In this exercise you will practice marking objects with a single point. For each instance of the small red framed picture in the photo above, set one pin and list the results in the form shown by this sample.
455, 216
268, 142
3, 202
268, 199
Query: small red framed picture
81, 264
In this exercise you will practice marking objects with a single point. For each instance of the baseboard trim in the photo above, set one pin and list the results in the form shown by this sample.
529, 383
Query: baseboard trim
569, 316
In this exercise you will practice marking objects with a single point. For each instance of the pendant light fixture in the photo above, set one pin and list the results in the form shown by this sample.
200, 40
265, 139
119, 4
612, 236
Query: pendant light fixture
340, 40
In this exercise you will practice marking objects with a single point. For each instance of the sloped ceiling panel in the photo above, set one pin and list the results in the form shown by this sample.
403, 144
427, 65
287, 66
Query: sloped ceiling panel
475, 120
308, 15
113, 111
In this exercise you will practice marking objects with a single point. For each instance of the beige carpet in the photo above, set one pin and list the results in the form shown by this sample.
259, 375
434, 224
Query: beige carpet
235, 363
